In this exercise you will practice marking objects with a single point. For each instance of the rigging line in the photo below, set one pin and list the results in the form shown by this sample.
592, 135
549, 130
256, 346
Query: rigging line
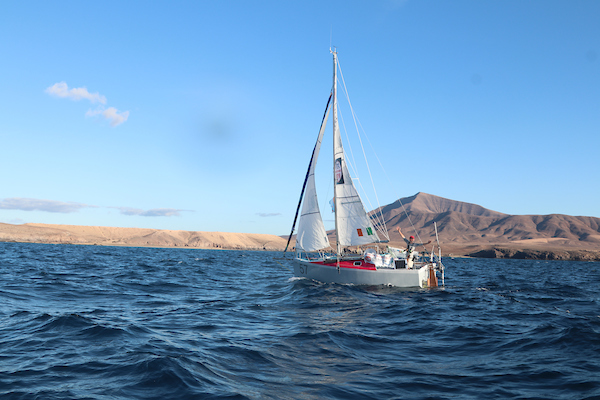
283, 266
361, 143
379, 221
380, 164
376, 219
380, 217
355, 118
392, 186
352, 165
349, 147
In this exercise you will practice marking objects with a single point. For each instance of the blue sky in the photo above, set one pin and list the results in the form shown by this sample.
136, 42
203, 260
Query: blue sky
201, 115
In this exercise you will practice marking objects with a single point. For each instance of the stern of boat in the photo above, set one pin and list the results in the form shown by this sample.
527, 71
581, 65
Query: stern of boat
427, 276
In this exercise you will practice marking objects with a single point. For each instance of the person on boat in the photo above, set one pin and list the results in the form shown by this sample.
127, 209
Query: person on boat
410, 248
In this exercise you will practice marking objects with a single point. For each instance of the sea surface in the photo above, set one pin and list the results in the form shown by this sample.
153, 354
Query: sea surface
90, 322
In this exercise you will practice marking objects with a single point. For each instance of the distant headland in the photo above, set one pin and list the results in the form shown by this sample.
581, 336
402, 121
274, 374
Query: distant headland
137, 237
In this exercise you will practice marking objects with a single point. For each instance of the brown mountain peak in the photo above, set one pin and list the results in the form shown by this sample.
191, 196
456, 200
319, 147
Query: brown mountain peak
468, 224
424, 203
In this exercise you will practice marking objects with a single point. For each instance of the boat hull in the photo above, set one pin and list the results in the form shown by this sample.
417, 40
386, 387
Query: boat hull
330, 273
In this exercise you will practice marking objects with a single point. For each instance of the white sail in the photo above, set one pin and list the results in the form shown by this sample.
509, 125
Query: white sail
311, 234
353, 225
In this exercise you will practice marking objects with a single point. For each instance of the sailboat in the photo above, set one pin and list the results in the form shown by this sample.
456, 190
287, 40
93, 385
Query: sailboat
353, 227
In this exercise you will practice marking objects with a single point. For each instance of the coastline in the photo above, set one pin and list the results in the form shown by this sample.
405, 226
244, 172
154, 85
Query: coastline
138, 237
156, 238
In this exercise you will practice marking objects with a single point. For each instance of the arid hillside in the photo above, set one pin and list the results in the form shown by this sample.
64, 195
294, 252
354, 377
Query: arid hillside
463, 229
100, 235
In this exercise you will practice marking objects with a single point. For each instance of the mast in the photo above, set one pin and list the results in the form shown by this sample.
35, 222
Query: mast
352, 223
335, 127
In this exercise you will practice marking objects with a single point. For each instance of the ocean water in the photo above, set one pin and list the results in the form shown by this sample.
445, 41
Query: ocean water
87, 322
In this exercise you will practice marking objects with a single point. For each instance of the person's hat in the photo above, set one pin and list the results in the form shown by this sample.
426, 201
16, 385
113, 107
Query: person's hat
412, 237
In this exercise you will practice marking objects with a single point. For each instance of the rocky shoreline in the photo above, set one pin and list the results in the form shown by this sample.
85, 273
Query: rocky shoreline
524, 254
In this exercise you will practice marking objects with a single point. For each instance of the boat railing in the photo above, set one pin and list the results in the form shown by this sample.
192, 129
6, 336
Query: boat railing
422, 257
314, 255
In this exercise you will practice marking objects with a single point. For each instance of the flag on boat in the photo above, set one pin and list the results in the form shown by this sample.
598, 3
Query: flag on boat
368, 229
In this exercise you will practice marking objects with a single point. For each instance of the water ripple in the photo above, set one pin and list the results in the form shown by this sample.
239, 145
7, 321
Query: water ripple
92, 322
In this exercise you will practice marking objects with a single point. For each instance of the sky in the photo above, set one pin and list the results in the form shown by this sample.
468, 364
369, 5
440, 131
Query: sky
202, 115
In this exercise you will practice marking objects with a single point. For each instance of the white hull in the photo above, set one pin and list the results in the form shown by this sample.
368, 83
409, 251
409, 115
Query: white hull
390, 277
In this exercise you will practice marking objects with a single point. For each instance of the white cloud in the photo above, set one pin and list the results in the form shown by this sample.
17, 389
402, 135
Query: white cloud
62, 90
115, 118
155, 212
111, 114
53, 206
266, 215
25, 204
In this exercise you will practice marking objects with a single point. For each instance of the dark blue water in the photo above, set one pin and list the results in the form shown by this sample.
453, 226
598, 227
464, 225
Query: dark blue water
85, 322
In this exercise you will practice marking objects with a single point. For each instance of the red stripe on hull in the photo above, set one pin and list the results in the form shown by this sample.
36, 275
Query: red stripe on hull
348, 264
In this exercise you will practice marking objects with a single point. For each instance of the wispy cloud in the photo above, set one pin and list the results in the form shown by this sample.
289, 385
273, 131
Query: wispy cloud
266, 215
155, 212
114, 117
111, 114
61, 89
53, 206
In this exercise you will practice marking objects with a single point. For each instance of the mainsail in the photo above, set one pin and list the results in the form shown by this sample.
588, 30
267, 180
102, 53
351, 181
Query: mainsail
353, 225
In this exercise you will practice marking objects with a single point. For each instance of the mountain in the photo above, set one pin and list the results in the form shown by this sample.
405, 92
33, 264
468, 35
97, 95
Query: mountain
463, 226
